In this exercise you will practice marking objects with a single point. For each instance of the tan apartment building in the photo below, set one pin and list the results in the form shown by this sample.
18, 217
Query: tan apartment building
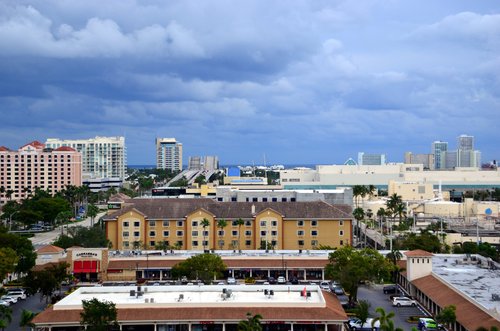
178, 223
33, 166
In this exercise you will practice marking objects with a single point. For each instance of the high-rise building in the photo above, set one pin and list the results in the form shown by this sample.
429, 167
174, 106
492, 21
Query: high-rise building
168, 154
427, 160
465, 143
371, 159
466, 155
102, 157
35, 166
439, 149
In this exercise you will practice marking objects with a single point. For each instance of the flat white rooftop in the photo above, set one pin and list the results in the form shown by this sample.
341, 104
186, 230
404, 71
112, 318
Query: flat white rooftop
215, 296
479, 281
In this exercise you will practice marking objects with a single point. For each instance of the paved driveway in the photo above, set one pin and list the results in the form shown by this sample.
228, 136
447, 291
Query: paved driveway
376, 297
31, 303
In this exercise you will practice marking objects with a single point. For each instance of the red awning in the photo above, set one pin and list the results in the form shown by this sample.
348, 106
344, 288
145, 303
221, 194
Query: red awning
85, 267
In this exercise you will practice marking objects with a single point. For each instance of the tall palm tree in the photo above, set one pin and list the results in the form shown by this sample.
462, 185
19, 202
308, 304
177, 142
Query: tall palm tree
358, 191
358, 214
205, 223
221, 224
239, 223
92, 211
5, 317
385, 319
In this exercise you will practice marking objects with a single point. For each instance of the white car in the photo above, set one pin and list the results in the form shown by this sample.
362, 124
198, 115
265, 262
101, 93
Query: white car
281, 280
355, 324
231, 281
403, 301
11, 300
4, 303
18, 294
324, 285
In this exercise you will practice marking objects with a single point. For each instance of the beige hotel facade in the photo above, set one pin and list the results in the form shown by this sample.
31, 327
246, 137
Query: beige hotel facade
178, 223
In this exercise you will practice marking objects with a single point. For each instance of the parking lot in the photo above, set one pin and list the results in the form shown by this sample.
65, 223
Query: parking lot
375, 296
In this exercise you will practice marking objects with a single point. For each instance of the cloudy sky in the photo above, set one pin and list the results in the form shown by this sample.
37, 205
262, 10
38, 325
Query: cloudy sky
294, 82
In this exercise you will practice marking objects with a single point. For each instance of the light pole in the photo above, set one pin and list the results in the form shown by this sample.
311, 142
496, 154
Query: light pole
10, 219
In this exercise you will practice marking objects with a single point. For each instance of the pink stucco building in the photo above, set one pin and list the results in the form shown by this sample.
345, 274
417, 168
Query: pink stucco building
33, 166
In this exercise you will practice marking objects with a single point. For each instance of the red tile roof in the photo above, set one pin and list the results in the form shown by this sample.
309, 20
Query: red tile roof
49, 249
36, 144
418, 253
468, 314
333, 312
4, 149
64, 149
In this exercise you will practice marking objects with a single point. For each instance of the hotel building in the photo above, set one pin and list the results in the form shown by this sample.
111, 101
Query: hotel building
102, 157
35, 166
145, 223
168, 154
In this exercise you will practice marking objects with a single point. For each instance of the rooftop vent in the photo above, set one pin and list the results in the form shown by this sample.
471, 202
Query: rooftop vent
181, 297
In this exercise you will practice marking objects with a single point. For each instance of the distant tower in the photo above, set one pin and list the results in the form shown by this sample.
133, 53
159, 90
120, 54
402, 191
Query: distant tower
466, 155
465, 143
371, 159
439, 149
168, 154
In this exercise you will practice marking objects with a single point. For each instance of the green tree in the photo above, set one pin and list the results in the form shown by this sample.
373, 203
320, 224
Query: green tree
359, 214
23, 248
221, 224
205, 223
8, 261
394, 256
447, 316
26, 319
358, 191
385, 319
162, 245
425, 241
350, 266
98, 315
200, 180
202, 266
92, 237
252, 323
92, 211
363, 311
5, 317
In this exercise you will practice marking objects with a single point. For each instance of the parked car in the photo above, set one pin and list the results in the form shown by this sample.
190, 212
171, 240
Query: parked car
425, 323
338, 290
281, 280
403, 301
271, 280
18, 294
325, 285
6, 298
355, 324
231, 281
390, 289
294, 280
4, 303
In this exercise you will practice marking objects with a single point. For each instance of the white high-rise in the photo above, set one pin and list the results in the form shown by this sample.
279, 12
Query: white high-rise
102, 157
168, 154
466, 155
439, 149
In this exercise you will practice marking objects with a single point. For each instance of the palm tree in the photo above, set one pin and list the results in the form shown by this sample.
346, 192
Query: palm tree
363, 311
205, 223
5, 317
385, 319
252, 323
26, 318
92, 211
8, 194
370, 190
358, 214
358, 191
221, 224
239, 223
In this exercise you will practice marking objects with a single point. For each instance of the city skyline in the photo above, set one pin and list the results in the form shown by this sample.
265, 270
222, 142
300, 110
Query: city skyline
286, 82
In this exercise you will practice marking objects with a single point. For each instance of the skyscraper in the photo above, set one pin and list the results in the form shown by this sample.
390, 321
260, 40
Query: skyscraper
102, 157
168, 154
465, 143
371, 159
466, 155
439, 148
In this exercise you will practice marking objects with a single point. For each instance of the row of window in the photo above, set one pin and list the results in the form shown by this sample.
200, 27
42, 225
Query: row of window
234, 223
248, 233
234, 243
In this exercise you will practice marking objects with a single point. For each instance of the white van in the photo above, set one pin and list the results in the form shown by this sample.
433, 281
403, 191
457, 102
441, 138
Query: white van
18, 294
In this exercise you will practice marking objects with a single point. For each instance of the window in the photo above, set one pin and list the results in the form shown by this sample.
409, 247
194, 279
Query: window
274, 223
180, 243
300, 233
166, 233
255, 199
234, 233
248, 233
341, 243
275, 199
292, 199
220, 199
194, 233
341, 223
263, 233
137, 234
248, 223
152, 243
205, 233
264, 199
314, 243
126, 244
180, 233
179, 224
300, 242
194, 243
341, 232
166, 223
205, 243
125, 233
234, 223
137, 223
125, 224
274, 233
263, 223
314, 223
233, 199
248, 242
152, 223
300, 223
314, 233
194, 224
220, 233
152, 233
283, 199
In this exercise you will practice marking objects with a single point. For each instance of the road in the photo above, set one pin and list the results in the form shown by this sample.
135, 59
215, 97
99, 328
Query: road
45, 238
376, 297
32, 303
